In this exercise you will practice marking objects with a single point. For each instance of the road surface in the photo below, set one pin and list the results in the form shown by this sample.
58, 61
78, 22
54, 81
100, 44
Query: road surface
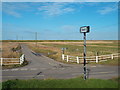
42, 67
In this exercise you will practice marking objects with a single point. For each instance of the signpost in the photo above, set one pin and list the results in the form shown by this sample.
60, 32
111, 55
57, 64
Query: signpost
63, 50
84, 30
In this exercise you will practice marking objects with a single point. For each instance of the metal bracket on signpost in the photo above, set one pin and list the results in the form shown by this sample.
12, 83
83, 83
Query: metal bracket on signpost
84, 30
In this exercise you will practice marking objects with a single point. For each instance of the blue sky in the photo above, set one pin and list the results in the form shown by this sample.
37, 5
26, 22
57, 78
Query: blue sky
59, 20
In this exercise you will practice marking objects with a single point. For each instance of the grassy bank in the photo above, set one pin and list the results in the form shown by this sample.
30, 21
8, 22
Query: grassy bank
61, 83
11, 50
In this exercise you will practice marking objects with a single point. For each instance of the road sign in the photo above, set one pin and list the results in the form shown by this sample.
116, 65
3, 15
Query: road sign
63, 49
84, 29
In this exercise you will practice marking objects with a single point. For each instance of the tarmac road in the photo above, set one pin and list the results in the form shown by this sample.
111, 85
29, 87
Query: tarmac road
41, 67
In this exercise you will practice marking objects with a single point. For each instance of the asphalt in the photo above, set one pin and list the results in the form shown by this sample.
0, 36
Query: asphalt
42, 67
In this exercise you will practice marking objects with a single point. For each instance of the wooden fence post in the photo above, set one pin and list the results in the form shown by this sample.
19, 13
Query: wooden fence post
67, 58
96, 59
1, 61
77, 59
63, 56
112, 56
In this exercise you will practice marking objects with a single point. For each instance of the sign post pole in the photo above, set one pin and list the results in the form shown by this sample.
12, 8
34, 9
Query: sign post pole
84, 30
85, 77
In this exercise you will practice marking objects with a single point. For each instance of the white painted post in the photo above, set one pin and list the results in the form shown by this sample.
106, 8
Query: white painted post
77, 59
1, 61
23, 57
96, 59
62, 56
67, 58
20, 60
112, 56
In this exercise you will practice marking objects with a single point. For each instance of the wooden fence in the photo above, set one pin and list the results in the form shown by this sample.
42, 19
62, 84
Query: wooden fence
12, 61
96, 59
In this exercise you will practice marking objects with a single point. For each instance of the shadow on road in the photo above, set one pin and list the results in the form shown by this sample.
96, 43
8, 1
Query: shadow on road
36, 54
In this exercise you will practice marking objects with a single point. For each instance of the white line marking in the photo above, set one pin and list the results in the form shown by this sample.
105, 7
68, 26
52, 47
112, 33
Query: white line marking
14, 69
76, 74
104, 72
24, 69
52, 64
62, 68
33, 69
17, 76
93, 66
42, 68
5, 70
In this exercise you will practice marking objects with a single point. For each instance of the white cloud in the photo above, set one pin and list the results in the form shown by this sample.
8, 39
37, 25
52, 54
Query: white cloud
10, 9
106, 10
49, 8
14, 8
53, 9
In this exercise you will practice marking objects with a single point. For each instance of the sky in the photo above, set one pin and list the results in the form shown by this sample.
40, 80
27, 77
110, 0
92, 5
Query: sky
59, 20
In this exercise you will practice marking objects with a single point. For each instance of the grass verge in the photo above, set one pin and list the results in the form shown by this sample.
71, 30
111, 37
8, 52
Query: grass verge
61, 83
113, 62
15, 66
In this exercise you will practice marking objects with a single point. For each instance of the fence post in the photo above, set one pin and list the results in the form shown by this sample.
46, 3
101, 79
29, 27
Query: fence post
77, 59
62, 56
112, 56
1, 61
96, 59
67, 58
20, 60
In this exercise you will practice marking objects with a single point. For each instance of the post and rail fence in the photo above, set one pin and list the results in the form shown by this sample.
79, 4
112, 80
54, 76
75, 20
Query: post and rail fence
96, 59
68, 58
12, 61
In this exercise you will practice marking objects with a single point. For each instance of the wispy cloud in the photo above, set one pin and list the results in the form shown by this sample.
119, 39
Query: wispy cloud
53, 9
106, 10
13, 9
49, 8
10, 9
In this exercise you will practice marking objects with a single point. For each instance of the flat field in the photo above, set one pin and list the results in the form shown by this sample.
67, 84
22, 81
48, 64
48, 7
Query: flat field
8, 50
53, 49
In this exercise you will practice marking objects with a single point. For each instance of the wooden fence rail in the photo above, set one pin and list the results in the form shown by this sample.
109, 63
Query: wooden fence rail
96, 59
12, 61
